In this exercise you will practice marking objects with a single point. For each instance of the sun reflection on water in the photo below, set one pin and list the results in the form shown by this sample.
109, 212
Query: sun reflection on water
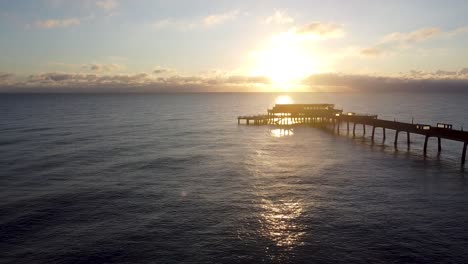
279, 222
281, 206
279, 132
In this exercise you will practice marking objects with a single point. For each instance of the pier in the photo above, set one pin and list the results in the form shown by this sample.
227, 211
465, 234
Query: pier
325, 115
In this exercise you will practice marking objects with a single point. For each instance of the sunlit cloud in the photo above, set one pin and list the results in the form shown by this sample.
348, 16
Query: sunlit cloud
203, 22
372, 52
107, 4
279, 17
320, 30
419, 35
457, 31
57, 23
216, 19
397, 41
173, 24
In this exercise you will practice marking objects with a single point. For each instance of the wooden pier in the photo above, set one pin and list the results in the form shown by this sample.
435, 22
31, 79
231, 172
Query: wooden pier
326, 115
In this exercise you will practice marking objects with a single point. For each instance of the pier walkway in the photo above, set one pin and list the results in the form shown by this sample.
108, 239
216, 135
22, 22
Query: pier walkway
326, 115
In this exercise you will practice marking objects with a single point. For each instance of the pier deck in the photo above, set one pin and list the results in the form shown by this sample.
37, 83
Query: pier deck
326, 114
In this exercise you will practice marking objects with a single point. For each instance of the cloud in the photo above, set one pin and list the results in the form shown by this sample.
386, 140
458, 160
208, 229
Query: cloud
141, 82
321, 30
54, 3
413, 81
104, 67
419, 35
161, 70
279, 17
174, 24
463, 71
373, 52
416, 80
164, 23
6, 79
217, 19
6, 76
203, 22
56, 77
57, 23
445, 73
107, 5
457, 31
237, 80
397, 41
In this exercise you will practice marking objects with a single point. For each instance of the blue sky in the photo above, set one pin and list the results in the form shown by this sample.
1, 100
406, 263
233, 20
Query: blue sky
283, 41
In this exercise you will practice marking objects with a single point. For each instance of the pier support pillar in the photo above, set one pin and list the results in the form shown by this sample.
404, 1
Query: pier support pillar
408, 139
463, 159
373, 132
425, 145
347, 126
439, 145
364, 128
384, 135
396, 139
354, 129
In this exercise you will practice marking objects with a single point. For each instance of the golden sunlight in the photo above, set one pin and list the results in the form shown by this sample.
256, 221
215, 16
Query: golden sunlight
279, 132
285, 61
284, 99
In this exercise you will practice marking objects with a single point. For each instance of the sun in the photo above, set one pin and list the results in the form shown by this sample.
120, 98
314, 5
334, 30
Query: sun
285, 61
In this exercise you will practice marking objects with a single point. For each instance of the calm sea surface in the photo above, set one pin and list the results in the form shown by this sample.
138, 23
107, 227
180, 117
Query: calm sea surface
174, 179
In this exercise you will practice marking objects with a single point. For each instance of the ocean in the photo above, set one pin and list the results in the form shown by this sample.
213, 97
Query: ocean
172, 178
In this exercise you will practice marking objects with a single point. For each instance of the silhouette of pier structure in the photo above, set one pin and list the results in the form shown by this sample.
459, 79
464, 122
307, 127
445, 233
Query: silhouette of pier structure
325, 115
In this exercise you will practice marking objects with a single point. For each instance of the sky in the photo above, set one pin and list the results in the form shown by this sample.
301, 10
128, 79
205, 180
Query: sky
219, 46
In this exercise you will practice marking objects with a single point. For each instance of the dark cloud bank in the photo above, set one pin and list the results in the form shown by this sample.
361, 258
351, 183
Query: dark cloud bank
343, 82
415, 81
